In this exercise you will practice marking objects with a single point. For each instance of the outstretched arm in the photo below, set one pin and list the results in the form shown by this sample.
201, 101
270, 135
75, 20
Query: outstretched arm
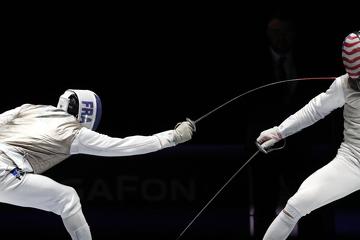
93, 143
316, 109
319, 107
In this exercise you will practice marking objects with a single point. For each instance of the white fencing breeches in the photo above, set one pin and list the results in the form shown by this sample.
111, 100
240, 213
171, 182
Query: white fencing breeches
43, 193
335, 180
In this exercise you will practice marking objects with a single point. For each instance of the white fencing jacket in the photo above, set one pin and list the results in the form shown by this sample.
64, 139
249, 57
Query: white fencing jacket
338, 95
37, 137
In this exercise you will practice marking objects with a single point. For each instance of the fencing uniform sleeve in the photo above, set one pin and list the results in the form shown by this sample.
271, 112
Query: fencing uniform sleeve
316, 109
93, 143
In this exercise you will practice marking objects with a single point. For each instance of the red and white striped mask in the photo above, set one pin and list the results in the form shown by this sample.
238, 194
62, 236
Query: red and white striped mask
351, 55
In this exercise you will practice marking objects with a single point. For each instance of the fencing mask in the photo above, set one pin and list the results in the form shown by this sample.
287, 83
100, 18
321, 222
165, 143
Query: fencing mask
85, 105
351, 55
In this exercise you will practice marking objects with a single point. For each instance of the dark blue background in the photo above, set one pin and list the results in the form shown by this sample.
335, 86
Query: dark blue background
153, 66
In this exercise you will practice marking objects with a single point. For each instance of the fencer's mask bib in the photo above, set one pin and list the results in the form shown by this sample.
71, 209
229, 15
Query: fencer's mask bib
85, 105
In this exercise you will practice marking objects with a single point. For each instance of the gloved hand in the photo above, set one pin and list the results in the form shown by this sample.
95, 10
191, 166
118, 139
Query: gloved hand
184, 131
269, 137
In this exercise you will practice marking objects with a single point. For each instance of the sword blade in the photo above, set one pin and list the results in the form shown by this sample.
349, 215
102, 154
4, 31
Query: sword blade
216, 194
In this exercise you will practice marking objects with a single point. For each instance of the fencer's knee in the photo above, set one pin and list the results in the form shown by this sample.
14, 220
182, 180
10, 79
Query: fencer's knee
70, 202
302, 203
292, 212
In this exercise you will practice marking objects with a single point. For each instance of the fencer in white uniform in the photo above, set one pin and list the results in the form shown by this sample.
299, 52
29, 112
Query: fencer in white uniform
341, 176
34, 138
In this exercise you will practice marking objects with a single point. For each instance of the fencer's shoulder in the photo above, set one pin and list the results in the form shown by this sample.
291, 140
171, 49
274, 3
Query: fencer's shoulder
20, 109
28, 106
25, 106
338, 89
340, 84
342, 81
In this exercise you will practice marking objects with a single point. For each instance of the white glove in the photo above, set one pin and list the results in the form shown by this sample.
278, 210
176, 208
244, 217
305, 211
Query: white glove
269, 137
184, 131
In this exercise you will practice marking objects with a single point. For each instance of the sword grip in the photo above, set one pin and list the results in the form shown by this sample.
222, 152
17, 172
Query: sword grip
266, 147
193, 124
